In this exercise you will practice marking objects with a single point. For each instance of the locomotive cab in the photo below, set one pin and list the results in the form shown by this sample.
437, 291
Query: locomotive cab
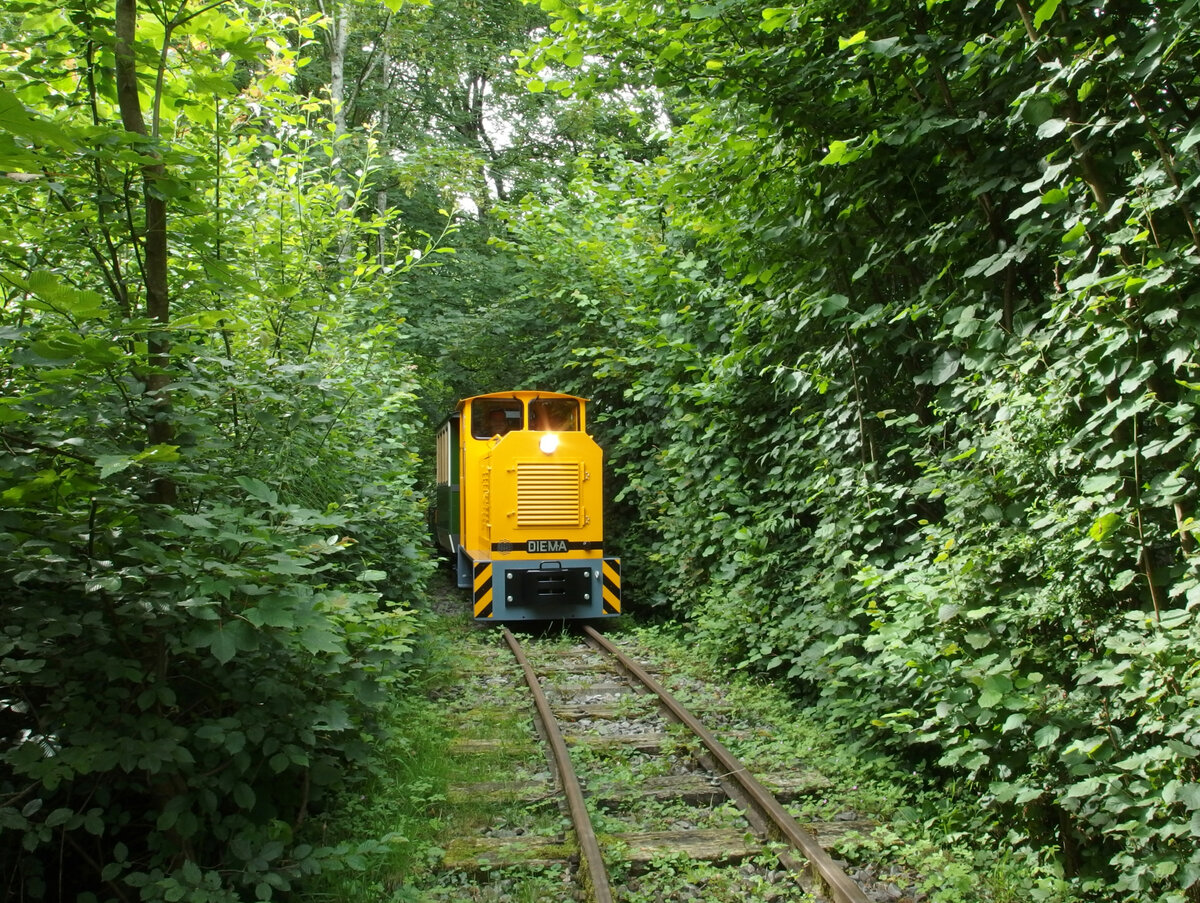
520, 508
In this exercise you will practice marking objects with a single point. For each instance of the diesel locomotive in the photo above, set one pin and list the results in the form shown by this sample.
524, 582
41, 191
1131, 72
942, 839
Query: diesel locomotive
519, 508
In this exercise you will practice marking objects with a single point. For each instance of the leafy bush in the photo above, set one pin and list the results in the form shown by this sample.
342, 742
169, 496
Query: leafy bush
198, 504
898, 341
180, 689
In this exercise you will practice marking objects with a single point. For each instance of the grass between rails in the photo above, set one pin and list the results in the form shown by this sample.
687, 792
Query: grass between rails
471, 693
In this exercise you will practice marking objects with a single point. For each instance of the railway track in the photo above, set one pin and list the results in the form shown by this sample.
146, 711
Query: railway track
597, 710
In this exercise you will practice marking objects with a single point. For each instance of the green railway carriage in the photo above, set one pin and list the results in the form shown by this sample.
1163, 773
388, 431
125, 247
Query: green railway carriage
519, 508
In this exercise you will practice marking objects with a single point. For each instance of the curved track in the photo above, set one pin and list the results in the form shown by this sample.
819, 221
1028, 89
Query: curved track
759, 806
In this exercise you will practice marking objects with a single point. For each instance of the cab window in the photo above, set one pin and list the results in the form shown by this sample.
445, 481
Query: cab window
495, 418
558, 415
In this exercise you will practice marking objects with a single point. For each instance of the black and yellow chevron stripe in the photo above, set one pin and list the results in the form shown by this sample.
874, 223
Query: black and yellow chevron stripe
612, 586
483, 590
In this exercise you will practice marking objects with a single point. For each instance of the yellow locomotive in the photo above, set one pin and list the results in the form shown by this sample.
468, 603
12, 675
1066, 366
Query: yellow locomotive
520, 508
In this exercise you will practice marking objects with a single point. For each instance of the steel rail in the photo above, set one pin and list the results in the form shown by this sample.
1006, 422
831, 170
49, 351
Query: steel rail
595, 872
821, 865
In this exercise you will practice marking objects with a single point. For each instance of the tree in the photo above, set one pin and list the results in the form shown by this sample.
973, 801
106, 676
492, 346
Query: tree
924, 271
194, 500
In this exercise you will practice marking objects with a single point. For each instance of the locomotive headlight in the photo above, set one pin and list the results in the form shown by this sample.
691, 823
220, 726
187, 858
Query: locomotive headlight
548, 443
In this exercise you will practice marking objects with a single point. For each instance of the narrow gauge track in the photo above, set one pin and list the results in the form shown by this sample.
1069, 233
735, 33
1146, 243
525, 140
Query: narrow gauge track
768, 818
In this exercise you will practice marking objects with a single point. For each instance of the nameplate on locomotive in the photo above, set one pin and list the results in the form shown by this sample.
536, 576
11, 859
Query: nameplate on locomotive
546, 546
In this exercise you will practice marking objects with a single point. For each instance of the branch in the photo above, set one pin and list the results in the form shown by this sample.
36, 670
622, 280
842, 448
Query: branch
372, 62
10, 439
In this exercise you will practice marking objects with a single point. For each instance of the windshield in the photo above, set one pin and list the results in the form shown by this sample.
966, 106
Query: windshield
557, 414
495, 418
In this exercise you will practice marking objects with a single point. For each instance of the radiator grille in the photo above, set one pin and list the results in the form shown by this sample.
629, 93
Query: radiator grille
548, 494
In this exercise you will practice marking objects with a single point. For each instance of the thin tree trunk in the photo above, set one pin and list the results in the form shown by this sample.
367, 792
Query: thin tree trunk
385, 124
154, 240
339, 38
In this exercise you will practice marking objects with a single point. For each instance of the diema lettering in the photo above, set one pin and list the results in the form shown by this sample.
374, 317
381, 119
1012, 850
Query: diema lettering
544, 546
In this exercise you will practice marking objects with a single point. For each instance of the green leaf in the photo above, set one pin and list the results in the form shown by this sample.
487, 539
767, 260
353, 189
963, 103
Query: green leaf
978, 639
775, 18
224, 646
994, 690
273, 611
195, 521
1189, 795
54, 295
1013, 721
159, 454
1052, 127
1099, 483
110, 464
1103, 526
1075, 233
93, 822
1044, 12
852, 41
1047, 736
16, 120
945, 368
257, 489
59, 817
1191, 139
333, 717
671, 51
887, 47
1122, 579
1037, 110
837, 150
319, 638
1085, 787
243, 795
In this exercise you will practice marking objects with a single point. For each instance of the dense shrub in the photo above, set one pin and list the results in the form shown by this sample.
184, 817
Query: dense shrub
897, 343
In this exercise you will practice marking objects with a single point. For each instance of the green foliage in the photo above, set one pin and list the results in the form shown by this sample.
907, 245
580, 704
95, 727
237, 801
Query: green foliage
198, 632
896, 348
399, 799
186, 665
928, 830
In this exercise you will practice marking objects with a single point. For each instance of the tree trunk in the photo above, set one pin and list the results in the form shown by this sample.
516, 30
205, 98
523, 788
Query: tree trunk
154, 240
385, 124
339, 38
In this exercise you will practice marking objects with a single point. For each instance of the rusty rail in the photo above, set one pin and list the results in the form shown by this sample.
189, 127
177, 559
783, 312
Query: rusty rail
594, 872
822, 868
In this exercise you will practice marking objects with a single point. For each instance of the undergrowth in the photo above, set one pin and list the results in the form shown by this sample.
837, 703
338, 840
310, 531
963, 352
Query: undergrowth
395, 805
925, 828
403, 808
